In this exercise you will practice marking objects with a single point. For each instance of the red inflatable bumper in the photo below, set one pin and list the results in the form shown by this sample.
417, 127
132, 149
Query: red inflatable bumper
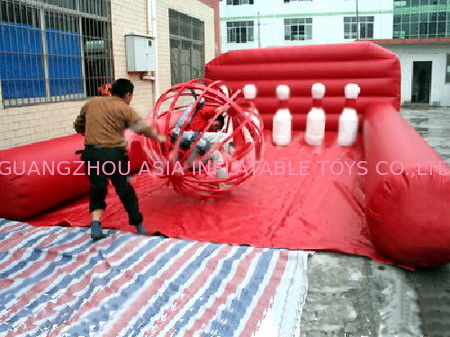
407, 191
37, 177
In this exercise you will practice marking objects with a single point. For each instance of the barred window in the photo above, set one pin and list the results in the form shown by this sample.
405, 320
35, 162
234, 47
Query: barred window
408, 3
239, 2
240, 31
364, 31
423, 24
298, 29
187, 47
54, 50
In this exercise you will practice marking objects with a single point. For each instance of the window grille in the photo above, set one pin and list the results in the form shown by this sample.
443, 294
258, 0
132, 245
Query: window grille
54, 50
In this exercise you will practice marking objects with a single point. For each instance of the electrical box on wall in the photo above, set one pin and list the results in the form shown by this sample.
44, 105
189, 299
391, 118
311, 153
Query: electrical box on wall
140, 53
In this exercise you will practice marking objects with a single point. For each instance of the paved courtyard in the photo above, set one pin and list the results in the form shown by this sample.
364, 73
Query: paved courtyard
354, 296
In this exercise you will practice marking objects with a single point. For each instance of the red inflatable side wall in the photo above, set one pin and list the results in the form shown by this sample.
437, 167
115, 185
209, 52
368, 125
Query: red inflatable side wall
407, 191
37, 177
375, 69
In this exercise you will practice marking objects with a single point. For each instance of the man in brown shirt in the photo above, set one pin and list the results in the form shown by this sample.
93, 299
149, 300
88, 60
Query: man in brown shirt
103, 121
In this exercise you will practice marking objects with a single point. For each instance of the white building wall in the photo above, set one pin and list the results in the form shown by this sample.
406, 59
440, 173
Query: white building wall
328, 27
437, 54
327, 20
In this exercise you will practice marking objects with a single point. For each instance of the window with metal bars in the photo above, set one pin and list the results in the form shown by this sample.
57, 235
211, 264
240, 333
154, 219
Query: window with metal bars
298, 29
415, 3
187, 47
422, 24
358, 27
54, 50
240, 31
288, 1
239, 2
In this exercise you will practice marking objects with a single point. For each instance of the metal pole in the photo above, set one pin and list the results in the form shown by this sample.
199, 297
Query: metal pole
45, 53
259, 32
82, 55
1, 97
357, 21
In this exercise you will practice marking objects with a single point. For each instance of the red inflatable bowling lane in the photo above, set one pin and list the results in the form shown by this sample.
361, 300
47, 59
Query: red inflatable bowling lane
387, 197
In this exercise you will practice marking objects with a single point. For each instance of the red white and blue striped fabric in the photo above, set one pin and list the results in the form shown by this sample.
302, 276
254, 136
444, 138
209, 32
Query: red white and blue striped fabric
56, 281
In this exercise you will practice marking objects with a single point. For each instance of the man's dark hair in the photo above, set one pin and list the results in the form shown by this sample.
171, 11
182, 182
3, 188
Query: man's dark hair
121, 87
221, 120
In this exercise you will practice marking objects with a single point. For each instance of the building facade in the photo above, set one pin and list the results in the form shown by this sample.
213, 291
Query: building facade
266, 23
425, 66
418, 31
54, 54
421, 39
421, 19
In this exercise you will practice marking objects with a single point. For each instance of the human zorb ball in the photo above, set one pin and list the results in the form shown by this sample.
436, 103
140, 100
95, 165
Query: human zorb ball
199, 158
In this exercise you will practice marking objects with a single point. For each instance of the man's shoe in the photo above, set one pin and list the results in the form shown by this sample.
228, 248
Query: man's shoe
141, 230
160, 235
96, 231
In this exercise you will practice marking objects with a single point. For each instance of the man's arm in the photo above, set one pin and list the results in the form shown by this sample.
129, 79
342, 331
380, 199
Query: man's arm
182, 120
142, 128
80, 122
139, 126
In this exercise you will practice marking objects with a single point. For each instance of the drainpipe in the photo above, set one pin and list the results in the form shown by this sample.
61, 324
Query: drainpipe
152, 30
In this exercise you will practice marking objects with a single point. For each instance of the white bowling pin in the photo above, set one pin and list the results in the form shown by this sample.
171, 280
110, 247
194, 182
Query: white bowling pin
348, 120
249, 92
315, 122
250, 110
282, 121
225, 90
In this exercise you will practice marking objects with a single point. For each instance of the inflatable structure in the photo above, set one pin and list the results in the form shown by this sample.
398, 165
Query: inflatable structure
386, 197
172, 115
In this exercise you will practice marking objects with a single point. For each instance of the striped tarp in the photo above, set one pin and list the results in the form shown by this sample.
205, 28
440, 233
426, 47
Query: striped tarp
56, 281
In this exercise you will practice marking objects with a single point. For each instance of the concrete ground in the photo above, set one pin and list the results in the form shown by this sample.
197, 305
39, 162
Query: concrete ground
354, 296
